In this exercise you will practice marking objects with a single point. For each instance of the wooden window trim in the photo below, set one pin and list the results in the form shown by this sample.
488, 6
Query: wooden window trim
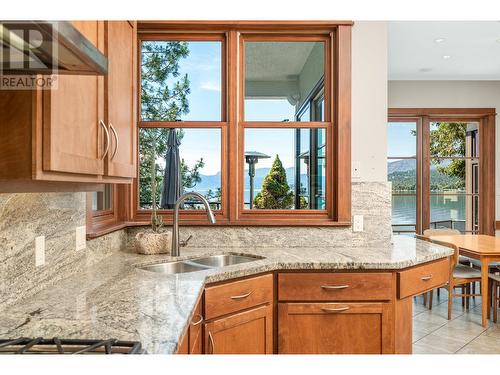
337, 37
485, 117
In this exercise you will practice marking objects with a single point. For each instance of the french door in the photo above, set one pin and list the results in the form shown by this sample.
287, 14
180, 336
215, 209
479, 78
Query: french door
442, 171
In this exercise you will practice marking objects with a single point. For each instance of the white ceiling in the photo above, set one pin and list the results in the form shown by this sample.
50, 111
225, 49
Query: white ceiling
473, 47
275, 61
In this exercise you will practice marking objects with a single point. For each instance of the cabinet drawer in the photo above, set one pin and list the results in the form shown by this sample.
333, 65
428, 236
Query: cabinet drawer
419, 279
234, 296
334, 286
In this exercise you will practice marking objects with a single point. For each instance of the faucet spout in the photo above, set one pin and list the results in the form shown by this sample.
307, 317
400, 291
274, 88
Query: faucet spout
175, 251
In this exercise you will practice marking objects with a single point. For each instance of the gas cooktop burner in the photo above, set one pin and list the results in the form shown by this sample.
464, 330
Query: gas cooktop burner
39, 345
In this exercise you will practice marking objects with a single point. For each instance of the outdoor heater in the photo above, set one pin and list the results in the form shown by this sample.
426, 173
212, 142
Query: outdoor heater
252, 158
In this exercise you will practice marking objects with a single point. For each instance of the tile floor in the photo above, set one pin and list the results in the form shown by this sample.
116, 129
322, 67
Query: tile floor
433, 333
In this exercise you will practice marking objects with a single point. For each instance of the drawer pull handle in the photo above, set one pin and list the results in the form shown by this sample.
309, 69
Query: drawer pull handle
328, 287
105, 128
117, 139
334, 310
199, 321
426, 278
212, 343
242, 296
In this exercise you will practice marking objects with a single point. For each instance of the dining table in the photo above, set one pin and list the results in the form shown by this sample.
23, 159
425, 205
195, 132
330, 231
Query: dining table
485, 249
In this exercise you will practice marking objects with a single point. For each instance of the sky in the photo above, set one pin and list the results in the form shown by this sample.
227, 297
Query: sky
203, 67
400, 140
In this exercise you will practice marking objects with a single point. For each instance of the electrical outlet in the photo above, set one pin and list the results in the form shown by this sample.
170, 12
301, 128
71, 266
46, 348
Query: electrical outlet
81, 241
39, 251
357, 223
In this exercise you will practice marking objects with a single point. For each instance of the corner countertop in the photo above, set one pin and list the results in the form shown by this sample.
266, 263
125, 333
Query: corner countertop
114, 299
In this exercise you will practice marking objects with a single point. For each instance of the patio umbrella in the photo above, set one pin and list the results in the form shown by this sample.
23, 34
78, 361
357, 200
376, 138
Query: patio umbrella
172, 188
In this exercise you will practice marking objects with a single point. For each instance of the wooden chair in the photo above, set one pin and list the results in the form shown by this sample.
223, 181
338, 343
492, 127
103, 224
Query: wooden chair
460, 275
495, 294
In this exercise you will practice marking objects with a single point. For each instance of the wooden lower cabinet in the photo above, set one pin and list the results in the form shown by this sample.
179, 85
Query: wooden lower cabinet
246, 332
334, 328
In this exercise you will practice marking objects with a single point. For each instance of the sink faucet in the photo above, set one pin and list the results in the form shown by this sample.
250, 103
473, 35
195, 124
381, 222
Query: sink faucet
176, 244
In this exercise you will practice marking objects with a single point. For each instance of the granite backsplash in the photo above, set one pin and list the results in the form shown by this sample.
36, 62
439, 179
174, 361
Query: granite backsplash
56, 215
370, 199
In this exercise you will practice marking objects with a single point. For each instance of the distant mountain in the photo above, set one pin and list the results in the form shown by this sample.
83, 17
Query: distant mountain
402, 165
402, 174
213, 181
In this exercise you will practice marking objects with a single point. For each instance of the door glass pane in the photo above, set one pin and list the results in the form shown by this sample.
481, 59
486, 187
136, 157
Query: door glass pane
450, 211
402, 173
449, 175
198, 166
181, 80
404, 208
287, 72
459, 139
285, 169
401, 139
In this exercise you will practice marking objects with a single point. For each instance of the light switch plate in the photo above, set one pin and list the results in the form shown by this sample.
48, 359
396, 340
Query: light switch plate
357, 223
81, 242
39, 251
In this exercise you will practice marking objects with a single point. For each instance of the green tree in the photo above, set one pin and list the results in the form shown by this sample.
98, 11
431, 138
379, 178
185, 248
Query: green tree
275, 193
164, 97
448, 140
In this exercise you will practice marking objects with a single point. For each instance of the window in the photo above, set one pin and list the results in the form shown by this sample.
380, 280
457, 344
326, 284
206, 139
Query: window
198, 165
280, 76
257, 139
454, 175
295, 158
439, 170
402, 173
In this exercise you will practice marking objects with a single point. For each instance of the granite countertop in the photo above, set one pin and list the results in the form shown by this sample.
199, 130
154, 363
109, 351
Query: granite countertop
114, 299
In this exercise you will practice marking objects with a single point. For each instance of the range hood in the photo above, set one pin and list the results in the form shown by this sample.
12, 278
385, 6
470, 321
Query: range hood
48, 47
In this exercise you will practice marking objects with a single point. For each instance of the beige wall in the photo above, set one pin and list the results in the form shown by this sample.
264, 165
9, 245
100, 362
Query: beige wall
369, 100
450, 94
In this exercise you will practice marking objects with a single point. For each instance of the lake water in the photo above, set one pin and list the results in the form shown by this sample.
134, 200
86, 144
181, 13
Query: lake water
442, 208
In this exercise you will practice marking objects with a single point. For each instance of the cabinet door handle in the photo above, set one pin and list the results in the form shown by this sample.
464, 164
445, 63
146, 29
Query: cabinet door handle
107, 138
212, 343
334, 310
199, 321
242, 296
328, 287
426, 278
117, 139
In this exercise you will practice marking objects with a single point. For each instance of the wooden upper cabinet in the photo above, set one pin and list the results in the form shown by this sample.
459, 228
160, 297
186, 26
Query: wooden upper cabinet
80, 133
72, 112
120, 92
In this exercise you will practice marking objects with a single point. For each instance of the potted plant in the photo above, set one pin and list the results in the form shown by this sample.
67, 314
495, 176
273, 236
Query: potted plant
156, 241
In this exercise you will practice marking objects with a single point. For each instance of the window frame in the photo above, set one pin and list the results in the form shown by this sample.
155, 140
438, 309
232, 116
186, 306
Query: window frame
192, 216
485, 117
337, 37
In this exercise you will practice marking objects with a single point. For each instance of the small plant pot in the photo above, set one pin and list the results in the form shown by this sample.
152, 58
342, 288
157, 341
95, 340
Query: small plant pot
153, 243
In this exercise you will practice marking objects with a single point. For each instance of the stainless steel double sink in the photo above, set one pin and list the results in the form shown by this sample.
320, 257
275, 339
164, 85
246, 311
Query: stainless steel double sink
199, 264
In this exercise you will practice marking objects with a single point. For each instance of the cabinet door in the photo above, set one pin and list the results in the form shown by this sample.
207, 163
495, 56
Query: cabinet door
195, 336
121, 47
73, 138
248, 332
334, 328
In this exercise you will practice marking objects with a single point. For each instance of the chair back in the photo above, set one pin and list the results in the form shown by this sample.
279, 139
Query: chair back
441, 232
